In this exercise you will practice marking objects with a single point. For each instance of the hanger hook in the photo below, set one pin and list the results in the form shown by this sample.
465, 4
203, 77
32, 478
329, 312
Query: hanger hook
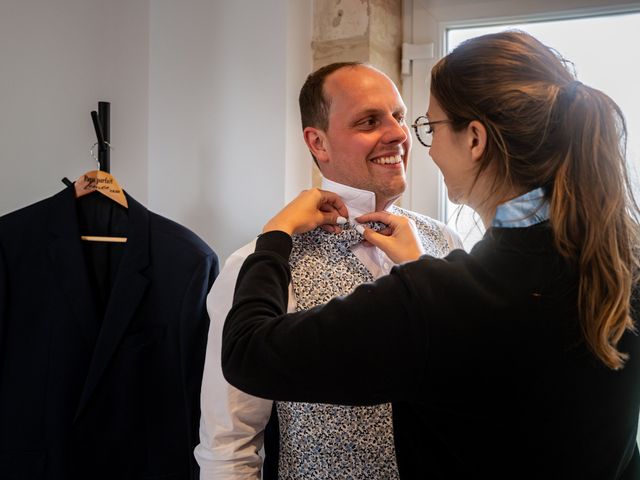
93, 151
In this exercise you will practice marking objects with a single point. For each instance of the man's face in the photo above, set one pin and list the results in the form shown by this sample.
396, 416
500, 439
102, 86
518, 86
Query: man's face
367, 142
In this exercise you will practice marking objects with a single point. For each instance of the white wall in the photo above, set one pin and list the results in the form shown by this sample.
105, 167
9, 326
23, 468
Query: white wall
299, 65
58, 59
204, 115
223, 135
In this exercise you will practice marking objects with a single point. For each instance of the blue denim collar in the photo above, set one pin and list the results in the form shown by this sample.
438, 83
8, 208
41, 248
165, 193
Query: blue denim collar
523, 211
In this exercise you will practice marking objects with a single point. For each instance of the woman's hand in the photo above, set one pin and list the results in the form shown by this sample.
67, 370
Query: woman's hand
399, 240
310, 209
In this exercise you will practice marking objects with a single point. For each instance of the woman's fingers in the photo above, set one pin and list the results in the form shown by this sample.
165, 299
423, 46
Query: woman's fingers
314, 208
399, 240
382, 217
310, 209
386, 231
329, 218
330, 202
376, 239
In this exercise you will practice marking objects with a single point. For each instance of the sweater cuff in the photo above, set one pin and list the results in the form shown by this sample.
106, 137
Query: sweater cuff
275, 241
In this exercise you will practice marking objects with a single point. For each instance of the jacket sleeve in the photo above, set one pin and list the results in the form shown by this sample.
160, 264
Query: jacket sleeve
363, 349
232, 422
193, 331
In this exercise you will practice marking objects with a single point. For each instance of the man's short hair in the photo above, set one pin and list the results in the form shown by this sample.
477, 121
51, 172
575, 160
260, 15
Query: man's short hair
314, 106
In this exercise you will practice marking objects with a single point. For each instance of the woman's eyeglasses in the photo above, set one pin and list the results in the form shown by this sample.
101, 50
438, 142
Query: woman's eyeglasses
424, 130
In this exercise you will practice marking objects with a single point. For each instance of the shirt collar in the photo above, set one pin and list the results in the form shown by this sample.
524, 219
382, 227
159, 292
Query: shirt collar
358, 201
523, 211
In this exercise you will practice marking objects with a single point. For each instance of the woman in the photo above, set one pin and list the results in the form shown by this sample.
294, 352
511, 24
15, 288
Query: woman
518, 360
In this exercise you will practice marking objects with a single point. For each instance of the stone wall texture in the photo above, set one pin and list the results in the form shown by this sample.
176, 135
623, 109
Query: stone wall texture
358, 30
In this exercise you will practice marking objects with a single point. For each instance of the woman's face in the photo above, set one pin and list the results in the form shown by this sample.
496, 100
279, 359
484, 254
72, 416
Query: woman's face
452, 153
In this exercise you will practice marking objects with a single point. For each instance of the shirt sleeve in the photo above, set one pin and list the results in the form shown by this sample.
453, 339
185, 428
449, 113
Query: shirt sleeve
363, 349
232, 422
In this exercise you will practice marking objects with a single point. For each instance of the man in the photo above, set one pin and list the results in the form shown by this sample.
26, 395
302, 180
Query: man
354, 124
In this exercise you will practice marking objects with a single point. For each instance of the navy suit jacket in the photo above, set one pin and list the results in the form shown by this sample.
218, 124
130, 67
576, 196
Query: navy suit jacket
89, 392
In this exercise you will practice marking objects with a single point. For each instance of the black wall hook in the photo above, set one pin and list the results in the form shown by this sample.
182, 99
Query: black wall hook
98, 128
101, 124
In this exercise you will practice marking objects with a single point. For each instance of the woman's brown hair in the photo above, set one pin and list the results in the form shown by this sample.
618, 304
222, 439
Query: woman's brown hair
546, 129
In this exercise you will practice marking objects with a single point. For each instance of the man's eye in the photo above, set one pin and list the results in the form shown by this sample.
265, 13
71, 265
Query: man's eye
401, 119
369, 122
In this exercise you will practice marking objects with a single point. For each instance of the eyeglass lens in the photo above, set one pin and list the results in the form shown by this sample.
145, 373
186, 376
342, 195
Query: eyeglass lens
424, 132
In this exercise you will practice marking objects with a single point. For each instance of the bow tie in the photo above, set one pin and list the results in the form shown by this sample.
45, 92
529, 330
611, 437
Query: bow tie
349, 236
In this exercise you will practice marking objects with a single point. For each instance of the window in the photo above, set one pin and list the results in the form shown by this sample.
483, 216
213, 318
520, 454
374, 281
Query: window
605, 65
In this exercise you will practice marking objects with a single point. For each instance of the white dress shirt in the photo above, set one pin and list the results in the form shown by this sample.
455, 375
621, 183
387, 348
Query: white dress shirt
232, 422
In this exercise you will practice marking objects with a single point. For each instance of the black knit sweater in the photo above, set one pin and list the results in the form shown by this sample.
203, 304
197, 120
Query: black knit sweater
480, 353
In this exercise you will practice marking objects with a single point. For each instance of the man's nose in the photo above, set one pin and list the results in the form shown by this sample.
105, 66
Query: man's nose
396, 132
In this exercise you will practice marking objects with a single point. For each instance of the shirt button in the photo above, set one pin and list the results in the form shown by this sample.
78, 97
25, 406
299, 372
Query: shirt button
386, 265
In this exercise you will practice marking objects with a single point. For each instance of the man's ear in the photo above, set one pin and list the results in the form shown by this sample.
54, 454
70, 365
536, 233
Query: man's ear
477, 138
316, 140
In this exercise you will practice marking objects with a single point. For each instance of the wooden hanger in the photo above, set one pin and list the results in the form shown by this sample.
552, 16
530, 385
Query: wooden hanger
101, 180
106, 184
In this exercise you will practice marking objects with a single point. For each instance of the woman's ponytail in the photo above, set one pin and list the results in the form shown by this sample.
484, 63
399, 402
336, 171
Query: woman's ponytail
593, 215
548, 130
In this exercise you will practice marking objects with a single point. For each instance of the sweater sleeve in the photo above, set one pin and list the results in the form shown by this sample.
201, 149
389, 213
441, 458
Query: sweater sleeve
363, 349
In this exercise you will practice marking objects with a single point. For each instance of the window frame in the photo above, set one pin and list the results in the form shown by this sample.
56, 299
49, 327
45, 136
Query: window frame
426, 192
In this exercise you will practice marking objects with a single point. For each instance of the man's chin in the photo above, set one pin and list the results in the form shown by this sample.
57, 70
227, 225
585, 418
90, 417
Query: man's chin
391, 196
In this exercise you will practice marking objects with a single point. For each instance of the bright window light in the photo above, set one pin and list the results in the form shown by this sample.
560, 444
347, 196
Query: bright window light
601, 49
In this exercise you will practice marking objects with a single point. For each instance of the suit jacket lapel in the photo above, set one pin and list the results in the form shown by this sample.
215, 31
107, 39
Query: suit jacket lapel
127, 292
68, 262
